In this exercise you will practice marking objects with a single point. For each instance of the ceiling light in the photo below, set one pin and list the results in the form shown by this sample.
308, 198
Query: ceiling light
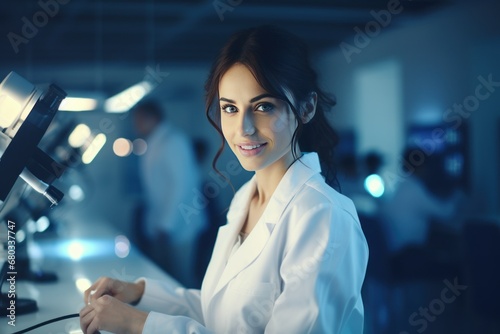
125, 100
94, 148
78, 104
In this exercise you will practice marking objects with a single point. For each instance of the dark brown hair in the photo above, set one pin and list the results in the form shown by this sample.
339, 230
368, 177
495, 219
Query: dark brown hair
279, 61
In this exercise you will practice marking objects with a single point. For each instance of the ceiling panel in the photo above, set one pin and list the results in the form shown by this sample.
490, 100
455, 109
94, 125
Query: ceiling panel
136, 33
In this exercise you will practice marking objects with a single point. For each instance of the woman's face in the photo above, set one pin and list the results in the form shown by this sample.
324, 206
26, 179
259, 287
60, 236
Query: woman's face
257, 126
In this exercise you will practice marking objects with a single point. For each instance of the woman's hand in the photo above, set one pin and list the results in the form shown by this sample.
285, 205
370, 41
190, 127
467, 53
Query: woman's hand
109, 314
123, 291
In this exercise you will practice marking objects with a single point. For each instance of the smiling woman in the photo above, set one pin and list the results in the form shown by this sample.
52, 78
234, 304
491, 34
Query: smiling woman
274, 64
257, 126
292, 256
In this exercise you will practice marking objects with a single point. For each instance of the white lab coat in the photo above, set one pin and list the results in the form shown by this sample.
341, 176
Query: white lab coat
299, 271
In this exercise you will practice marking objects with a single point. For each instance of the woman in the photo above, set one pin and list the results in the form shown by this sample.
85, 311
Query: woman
292, 257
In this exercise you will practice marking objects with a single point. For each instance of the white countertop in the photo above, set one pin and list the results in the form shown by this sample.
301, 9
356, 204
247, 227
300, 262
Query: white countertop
78, 257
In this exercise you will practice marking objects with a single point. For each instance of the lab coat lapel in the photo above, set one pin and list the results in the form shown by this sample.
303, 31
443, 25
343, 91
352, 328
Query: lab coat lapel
288, 187
246, 253
224, 243
230, 265
226, 238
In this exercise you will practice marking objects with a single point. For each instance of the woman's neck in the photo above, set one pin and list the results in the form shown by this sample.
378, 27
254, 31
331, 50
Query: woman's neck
269, 178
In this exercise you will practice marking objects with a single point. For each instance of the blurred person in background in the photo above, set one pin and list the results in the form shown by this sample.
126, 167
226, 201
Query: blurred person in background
170, 178
421, 197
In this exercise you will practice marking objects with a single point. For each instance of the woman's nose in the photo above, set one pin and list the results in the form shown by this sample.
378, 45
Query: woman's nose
247, 124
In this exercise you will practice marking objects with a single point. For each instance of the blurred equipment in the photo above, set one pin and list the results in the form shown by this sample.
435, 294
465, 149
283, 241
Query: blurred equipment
451, 146
26, 112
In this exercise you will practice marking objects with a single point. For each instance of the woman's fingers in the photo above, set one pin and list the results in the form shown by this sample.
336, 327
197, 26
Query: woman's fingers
109, 314
93, 327
85, 311
103, 286
90, 322
123, 291
86, 294
89, 293
87, 314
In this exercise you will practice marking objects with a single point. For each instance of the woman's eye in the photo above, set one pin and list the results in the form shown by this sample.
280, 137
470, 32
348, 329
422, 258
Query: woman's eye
229, 109
265, 107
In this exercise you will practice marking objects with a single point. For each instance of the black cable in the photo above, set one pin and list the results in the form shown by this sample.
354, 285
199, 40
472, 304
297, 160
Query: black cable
29, 329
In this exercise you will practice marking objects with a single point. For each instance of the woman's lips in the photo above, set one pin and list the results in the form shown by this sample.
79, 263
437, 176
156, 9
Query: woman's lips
249, 150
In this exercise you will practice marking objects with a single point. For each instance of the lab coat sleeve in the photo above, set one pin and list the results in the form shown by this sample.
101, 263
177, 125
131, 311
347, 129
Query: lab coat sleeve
322, 272
158, 323
162, 298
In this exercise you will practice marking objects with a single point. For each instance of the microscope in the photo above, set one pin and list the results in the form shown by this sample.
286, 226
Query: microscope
26, 111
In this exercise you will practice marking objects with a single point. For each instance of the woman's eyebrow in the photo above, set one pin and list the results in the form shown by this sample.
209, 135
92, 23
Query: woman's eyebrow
226, 100
253, 99
261, 96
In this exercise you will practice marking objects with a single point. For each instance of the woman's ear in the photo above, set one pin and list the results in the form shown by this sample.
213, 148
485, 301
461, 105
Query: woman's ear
308, 109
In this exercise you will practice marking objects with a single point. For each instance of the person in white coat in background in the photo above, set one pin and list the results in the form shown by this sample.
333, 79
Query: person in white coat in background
170, 178
292, 256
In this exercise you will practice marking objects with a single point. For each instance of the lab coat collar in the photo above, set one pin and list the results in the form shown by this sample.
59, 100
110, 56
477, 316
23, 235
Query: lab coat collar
293, 180
298, 174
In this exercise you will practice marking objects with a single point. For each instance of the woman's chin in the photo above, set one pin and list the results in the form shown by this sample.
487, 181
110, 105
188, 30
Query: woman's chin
248, 166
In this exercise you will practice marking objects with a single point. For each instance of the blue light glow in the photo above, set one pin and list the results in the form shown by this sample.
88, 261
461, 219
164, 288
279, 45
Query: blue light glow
374, 185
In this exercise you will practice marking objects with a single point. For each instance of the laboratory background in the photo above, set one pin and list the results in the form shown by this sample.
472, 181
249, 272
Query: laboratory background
417, 85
